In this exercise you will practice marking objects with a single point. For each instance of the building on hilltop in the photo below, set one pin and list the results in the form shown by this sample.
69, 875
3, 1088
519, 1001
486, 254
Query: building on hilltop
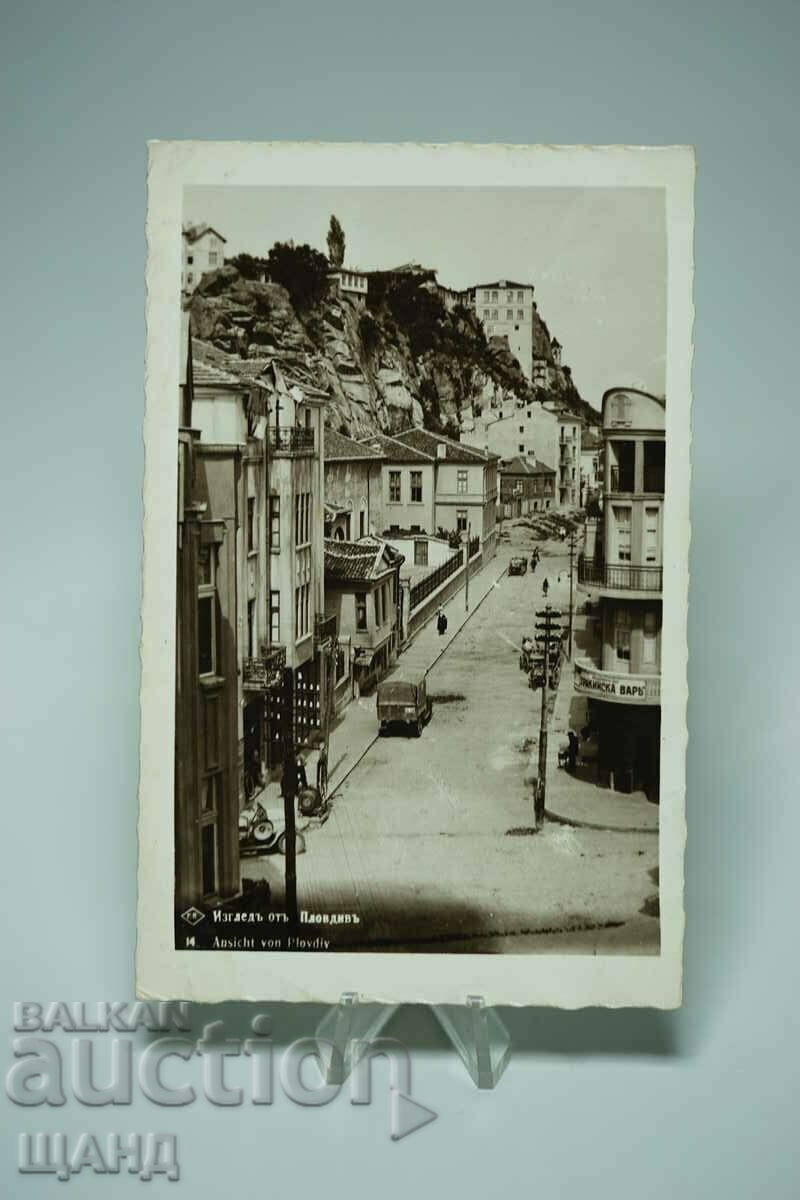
506, 309
351, 282
623, 568
203, 249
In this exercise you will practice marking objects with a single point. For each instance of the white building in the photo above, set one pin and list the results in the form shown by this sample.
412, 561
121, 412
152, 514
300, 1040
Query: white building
203, 250
351, 282
506, 309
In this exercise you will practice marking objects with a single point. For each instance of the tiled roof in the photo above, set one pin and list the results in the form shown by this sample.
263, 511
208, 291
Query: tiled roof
354, 562
525, 466
340, 448
394, 450
204, 373
427, 442
193, 232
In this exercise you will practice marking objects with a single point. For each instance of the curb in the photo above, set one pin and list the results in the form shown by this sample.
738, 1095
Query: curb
576, 824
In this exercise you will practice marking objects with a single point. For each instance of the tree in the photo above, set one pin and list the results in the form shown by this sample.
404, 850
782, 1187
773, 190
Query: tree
302, 270
248, 266
335, 243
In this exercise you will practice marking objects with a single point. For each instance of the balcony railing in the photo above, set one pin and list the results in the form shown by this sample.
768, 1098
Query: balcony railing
621, 479
291, 439
622, 576
324, 628
264, 672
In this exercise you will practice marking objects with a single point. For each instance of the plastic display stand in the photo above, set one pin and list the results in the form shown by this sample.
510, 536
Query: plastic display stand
476, 1032
344, 1029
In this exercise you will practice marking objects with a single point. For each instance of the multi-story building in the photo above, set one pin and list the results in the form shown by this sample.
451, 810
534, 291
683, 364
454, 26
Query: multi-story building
507, 309
622, 568
362, 594
516, 431
465, 485
568, 461
408, 481
203, 250
591, 466
353, 488
526, 486
351, 282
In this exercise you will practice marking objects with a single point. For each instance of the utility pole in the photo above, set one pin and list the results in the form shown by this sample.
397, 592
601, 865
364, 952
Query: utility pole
289, 790
466, 573
548, 635
571, 557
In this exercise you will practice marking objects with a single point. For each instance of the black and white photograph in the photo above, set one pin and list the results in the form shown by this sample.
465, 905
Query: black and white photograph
423, 438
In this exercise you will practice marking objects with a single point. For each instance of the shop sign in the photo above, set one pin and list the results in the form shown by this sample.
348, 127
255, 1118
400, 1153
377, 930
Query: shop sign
621, 689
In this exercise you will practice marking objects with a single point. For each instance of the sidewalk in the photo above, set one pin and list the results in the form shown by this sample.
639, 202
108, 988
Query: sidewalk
576, 799
358, 728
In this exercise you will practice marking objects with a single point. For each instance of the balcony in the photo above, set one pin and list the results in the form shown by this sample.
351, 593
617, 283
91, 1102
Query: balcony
616, 687
291, 439
265, 672
324, 629
619, 576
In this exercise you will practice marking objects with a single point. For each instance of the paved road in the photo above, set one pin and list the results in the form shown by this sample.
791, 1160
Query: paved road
420, 841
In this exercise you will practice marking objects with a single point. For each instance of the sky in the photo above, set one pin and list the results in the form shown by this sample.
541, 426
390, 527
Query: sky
596, 256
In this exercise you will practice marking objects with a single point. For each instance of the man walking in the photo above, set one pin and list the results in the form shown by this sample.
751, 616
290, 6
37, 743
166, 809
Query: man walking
545, 587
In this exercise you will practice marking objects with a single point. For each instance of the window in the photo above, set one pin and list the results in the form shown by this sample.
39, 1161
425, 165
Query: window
622, 635
461, 519
302, 518
362, 523
379, 606
520, 313
519, 296
494, 296
650, 639
275, 524
494, 312
622, 525
420, 554
461, 482
208, 858
522, 428
251, 525
509, 314
486, 314
190, 259
275, 617
189, 277
416, 487
251, 628
211, 731
486, 295
651, 535
361, 610
206, 635
211, 793
212, 259
206, 566
301, 611
394, 487
521, 448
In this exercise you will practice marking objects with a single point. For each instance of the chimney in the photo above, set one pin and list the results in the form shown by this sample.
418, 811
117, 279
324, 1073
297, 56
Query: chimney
441, 450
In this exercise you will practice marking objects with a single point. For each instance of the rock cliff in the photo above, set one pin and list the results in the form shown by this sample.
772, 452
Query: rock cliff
405, 360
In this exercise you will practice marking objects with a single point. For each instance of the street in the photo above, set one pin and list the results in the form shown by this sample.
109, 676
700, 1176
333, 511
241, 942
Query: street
429, 841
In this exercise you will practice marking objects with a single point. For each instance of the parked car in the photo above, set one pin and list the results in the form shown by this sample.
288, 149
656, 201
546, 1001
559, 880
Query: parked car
518, 566
404, 700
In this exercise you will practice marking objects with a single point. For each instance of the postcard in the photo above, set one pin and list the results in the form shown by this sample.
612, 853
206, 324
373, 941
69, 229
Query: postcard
416, 533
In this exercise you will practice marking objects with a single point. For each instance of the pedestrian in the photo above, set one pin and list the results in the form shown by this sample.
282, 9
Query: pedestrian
441, 621
545, 587
572, 752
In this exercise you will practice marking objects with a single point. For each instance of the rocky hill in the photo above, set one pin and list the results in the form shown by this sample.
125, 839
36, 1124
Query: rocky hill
405, 360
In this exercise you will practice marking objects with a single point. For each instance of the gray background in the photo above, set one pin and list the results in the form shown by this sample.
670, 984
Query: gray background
695, 1103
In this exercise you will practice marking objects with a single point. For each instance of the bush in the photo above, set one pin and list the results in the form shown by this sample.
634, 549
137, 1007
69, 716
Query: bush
302, 270
248, 266
370, 332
